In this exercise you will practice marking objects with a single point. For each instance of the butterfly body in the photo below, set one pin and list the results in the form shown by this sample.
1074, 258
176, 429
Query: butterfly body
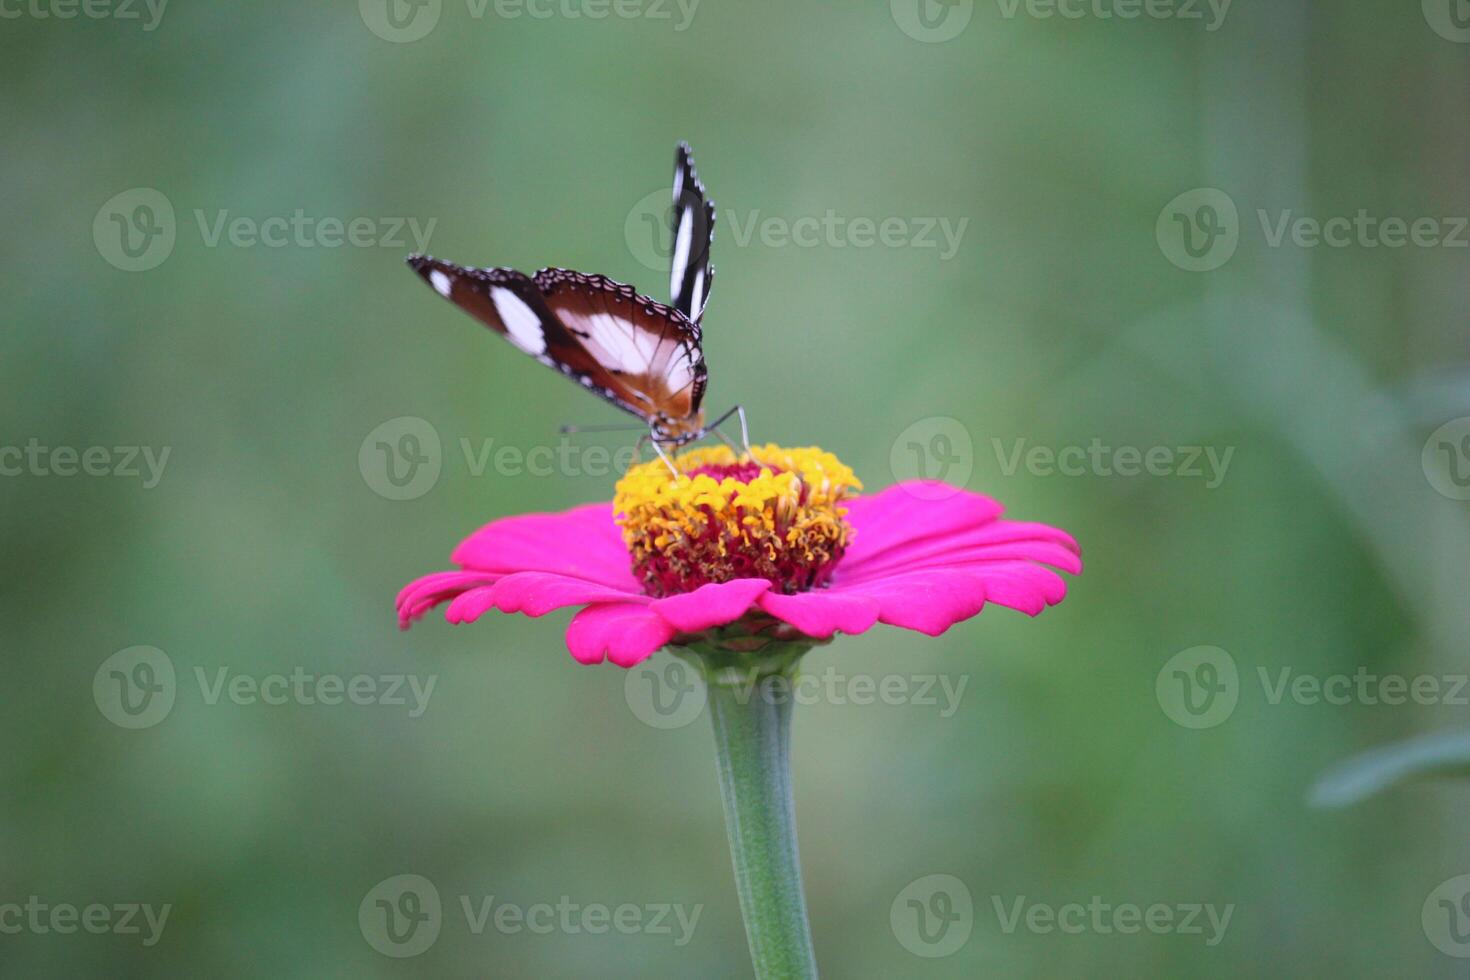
644, 356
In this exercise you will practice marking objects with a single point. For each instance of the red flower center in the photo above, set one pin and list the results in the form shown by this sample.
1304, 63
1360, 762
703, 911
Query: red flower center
777, 517
744, 472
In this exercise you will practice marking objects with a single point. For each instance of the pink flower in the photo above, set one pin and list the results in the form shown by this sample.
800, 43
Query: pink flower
920, 556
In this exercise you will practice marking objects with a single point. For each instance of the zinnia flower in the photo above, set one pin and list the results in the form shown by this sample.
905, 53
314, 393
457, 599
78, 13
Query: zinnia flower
741, 551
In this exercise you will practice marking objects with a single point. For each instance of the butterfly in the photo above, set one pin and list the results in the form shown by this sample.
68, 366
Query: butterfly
645, 357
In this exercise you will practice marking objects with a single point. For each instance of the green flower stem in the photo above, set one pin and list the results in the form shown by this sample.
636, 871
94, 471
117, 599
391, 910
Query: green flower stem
753, 749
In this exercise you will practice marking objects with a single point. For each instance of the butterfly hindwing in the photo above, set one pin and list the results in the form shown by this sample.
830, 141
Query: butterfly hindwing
651, 351
690, 273
640, 355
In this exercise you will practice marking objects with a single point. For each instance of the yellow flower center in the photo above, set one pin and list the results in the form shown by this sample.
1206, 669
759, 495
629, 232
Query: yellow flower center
777, 516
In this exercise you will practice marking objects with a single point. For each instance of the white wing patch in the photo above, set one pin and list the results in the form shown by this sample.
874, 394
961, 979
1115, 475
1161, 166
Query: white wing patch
696, 298
623, 347
679, 372
683, 244
522, 325
441, 283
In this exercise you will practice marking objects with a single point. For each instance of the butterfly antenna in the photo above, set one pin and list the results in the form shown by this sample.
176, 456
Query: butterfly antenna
567, 430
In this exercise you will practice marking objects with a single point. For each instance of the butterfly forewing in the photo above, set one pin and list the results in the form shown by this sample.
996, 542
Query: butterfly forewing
694, 231
640, 355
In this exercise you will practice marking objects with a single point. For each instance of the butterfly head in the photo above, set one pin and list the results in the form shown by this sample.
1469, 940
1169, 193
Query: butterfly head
672, 431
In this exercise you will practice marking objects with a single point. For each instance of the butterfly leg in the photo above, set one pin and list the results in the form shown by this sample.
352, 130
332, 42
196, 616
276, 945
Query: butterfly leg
724, 438
738, 410
653, 438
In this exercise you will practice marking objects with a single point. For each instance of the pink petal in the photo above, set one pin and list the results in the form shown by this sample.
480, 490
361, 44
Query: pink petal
423, 594
928, 601
711, 605
823, 612
469, 605
1020, 585
624, 633
896, 516
533, 593
932, 553
538, 593
583, 542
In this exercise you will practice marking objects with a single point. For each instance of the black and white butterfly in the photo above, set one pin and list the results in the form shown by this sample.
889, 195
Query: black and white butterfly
644, 356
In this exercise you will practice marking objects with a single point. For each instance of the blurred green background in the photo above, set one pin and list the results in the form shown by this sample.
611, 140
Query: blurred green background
270, 544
